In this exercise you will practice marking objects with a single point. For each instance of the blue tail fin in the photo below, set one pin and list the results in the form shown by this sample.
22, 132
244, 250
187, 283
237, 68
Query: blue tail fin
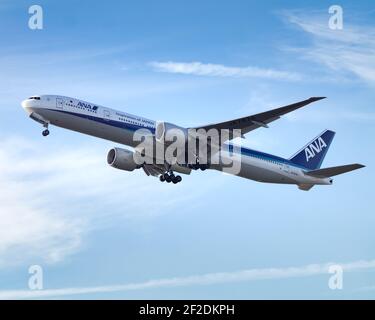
312, 155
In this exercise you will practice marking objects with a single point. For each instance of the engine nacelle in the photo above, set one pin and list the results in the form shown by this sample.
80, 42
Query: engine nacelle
170, 131
122, 159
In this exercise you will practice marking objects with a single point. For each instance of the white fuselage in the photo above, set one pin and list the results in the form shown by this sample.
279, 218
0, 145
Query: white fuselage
118, 126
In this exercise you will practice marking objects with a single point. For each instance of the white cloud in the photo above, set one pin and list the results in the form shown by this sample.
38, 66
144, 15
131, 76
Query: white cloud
218, 70
50, 199
29, 228
205, 279
350, 51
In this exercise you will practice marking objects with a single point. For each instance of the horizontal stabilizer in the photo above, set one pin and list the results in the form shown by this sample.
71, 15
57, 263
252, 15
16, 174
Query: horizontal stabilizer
334, 171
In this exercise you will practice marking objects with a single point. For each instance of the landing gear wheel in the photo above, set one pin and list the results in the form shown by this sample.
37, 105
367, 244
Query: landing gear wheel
176, 179
45, 133
168, 179
161, 178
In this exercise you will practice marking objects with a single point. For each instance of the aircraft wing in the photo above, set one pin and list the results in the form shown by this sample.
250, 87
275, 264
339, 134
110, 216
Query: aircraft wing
249, 123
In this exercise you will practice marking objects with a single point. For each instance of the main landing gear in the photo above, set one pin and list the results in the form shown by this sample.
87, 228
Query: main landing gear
198, 166
170, 177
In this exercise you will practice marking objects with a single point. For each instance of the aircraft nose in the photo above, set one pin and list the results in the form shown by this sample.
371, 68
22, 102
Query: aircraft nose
26, 105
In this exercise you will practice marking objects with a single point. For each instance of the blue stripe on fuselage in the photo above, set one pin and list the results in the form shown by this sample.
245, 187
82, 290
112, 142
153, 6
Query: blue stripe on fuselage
264, 156
132, 127
111, 122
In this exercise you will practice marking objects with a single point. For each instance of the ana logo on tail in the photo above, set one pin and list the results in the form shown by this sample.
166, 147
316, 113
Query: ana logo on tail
315, 148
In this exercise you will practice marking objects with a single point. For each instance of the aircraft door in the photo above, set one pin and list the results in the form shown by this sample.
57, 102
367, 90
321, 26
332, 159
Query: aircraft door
286, 168
59, 103
106, 114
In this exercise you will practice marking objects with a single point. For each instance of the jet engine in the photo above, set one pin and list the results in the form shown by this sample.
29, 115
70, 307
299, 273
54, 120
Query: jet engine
166, 132
122, 159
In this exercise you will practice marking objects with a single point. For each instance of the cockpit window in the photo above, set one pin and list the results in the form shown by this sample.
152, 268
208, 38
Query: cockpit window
34, 98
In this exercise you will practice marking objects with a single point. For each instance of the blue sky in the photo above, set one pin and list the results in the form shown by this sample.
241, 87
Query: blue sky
102, 233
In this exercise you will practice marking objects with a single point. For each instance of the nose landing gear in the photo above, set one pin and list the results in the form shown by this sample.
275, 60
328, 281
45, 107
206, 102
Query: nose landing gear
45, 132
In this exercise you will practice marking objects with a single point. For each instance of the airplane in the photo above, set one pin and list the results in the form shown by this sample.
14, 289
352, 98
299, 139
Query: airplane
302, 169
